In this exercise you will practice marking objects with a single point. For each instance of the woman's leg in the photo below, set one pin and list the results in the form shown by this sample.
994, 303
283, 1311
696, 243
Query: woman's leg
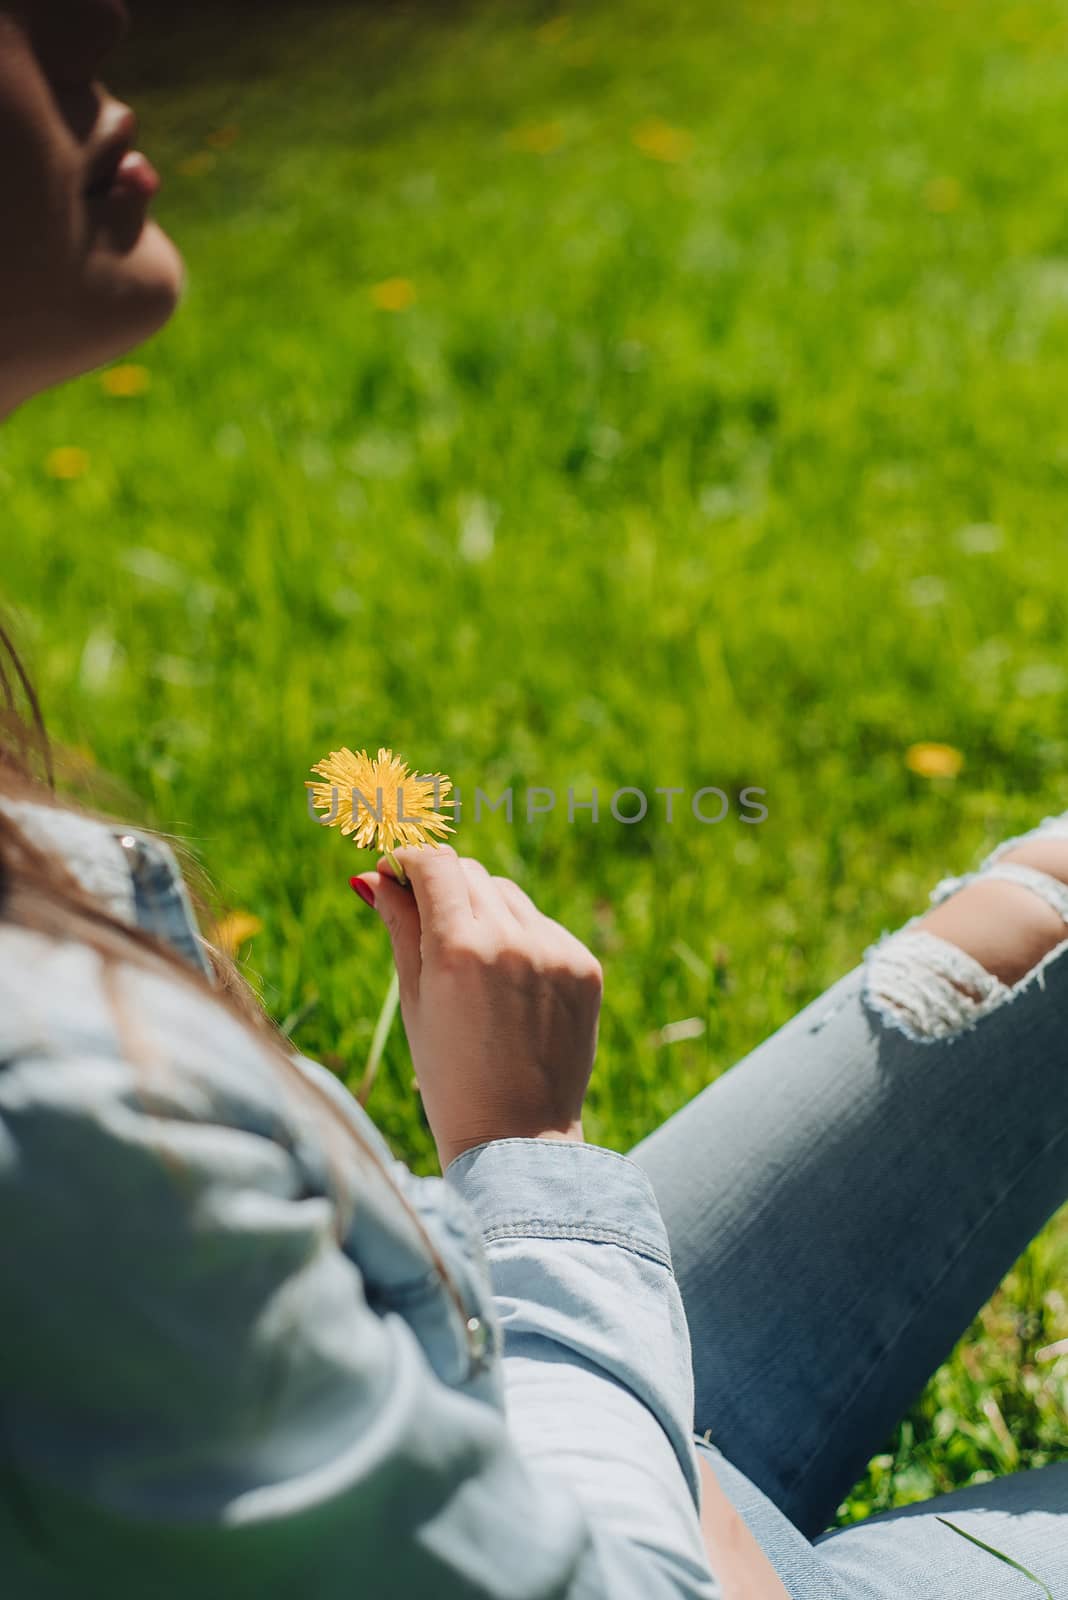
911, 1553
842, 1202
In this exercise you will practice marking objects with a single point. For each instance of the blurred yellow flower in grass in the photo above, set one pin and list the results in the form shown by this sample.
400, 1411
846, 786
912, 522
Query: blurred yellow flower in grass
222, 138
126, 381
195, 166
661, 141
67, 461
236, 929
553, 31
1022, 25
380, 802
537, 138
393, 294
943, 195
934, 760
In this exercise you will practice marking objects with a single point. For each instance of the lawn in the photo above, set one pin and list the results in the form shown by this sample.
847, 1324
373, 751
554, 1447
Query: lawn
653, 395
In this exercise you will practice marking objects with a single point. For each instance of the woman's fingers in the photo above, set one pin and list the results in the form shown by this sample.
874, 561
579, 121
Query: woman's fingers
487, 901
495, 899
449, 893
517, 900
400, 914
440, 886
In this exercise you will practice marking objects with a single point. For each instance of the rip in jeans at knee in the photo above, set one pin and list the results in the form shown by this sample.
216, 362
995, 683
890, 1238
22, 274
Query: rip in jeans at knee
929, 988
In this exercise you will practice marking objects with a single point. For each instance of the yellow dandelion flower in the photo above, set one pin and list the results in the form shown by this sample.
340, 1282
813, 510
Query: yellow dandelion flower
68, 461
393, 294
125, 381
195, 166
380, 802
235, 930
934, 760
538, 138
661, 141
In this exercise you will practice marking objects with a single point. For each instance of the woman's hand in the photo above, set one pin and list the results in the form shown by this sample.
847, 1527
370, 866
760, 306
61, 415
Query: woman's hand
500, 1003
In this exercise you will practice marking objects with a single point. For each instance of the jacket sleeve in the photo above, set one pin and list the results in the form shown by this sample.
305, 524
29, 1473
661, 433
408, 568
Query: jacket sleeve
193, 1384
597, 1363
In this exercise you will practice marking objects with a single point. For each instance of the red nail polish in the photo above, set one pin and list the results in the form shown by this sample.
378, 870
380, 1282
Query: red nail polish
364, 890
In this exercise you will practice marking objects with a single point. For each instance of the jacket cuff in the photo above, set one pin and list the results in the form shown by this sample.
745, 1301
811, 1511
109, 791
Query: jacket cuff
558, 1189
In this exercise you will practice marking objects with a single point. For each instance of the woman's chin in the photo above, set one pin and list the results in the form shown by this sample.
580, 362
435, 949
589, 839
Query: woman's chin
145, 267
162, 272
166, 258
133, 291
123, 298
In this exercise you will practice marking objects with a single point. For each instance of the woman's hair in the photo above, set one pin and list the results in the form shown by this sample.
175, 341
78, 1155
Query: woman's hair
37, 891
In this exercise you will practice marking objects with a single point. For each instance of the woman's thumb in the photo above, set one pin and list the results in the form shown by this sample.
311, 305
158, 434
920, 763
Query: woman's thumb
398, 910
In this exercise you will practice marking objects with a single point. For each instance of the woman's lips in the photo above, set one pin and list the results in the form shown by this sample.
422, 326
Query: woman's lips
135, 174
133, 177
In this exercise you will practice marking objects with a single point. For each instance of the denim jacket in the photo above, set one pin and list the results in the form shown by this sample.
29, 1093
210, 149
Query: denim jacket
203, 1394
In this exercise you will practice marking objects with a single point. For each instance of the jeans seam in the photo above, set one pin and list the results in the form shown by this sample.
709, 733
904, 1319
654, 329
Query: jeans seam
790, 1481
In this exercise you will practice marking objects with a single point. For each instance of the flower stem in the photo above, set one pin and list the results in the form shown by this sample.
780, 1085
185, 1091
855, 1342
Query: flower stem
381, 1034
398, 870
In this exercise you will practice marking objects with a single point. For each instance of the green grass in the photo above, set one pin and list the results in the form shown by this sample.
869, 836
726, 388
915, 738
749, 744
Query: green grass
745, 467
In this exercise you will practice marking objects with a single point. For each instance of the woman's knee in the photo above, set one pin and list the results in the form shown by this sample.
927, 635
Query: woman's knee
984, 936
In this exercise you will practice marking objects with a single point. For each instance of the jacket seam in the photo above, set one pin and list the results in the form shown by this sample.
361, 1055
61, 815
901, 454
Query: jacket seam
597, 1151
547, 1228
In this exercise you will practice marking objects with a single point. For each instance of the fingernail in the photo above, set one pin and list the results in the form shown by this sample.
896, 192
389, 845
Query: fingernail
364, 890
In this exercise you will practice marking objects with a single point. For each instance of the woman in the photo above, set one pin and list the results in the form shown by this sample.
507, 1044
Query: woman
245, 1352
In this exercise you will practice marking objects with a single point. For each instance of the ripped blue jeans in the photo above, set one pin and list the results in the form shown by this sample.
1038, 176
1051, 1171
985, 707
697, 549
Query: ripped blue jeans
923, 1092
